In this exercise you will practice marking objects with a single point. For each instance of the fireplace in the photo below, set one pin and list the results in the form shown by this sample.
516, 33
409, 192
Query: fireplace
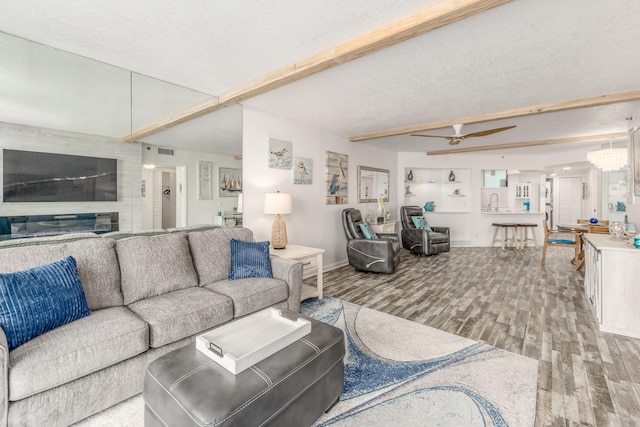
23, 226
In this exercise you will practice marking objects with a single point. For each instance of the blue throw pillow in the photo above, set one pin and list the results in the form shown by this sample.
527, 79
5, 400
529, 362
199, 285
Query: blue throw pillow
421, 222
39, 299
367, 231
249, 259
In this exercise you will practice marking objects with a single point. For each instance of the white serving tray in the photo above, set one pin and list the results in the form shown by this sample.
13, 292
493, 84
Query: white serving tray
243, 343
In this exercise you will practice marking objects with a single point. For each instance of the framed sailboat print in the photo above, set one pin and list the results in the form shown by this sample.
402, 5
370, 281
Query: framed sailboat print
230, 182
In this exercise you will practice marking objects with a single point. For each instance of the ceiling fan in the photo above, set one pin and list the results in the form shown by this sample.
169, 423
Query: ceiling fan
455, 139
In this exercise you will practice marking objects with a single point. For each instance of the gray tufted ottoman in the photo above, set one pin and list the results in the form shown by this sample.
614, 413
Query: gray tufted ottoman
293, 387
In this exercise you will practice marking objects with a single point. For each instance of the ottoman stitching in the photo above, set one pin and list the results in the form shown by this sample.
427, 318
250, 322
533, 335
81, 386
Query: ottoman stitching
188, 374
249, 402
301, 392
262, 375
310, 344
187, 413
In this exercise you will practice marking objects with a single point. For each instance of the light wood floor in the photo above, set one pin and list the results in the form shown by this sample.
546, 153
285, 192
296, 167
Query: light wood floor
503, 297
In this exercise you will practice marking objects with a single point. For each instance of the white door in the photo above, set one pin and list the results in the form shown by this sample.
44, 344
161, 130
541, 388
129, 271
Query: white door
569, 200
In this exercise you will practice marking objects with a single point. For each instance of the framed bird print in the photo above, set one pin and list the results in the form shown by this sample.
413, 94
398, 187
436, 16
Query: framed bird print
336, 181
280, 156
302, 170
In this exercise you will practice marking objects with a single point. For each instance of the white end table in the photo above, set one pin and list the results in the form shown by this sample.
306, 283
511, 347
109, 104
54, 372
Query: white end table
311, 259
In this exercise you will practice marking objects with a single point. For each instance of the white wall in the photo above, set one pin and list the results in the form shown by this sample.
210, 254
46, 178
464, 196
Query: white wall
474, 228
198, 211
313, 223
479, 226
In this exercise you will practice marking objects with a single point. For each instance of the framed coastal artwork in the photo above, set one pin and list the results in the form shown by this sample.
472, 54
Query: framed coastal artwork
230, 182
303, 170
280, 154
205, 180
336, 180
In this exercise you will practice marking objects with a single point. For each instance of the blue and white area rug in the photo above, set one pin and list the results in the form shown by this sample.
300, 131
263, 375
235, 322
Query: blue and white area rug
401, 373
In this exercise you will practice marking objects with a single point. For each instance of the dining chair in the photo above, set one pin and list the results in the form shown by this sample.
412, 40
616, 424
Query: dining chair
559, 238
600, 229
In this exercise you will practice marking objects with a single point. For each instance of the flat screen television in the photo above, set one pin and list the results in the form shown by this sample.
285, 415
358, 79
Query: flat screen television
29, 176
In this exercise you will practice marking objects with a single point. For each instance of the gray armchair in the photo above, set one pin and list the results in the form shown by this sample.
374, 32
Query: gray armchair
380, 255
422, 242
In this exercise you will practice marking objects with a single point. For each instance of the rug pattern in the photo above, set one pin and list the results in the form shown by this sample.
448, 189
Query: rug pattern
398, 372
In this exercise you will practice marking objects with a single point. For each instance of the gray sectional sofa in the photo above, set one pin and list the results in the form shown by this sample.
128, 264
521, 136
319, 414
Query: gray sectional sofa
148, 295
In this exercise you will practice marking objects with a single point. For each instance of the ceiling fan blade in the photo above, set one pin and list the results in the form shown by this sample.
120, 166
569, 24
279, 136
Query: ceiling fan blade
431, 136
488, 132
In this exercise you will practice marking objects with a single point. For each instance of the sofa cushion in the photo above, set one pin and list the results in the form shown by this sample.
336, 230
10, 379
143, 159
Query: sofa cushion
96, 262
211, 252
251, 294
249, 259
176, 315
39, 299
156, 265
76, 349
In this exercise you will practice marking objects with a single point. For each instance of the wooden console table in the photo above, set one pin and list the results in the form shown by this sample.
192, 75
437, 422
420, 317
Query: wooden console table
311, 259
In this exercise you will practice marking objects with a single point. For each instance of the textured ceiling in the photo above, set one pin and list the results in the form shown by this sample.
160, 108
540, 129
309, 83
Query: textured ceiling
521, 54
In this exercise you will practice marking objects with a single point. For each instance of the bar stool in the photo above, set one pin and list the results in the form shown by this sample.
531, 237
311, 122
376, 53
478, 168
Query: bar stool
524, 234
508, 234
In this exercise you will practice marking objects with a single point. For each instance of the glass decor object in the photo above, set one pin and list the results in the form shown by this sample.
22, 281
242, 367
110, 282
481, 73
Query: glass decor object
616, 229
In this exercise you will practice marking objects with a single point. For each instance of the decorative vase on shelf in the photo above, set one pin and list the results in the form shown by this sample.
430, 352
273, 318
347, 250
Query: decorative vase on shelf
410, 175
452, 176
593, 220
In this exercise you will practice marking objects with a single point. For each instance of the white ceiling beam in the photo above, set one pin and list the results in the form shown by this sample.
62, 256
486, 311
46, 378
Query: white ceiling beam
444, 13
518, 112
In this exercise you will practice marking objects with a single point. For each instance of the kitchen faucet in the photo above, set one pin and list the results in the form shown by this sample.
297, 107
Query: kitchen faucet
490, 205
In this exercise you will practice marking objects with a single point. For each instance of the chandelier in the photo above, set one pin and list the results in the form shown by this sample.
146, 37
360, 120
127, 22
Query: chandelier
608, 159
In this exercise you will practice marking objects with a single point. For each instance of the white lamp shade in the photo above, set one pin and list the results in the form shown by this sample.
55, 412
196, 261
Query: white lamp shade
278, 203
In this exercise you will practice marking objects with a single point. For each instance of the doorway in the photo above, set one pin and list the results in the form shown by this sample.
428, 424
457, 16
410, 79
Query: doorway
164, 198
569, 199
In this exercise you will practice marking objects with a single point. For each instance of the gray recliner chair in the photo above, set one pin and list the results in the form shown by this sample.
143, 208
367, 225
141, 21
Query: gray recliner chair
380, 255
422, 242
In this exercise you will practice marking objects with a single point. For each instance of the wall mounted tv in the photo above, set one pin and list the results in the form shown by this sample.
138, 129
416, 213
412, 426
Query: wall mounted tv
29, 176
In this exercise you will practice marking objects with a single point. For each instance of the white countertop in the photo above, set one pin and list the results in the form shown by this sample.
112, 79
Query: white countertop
608, 242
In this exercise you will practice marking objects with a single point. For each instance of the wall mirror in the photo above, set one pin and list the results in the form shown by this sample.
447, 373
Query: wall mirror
373, 183
494, 178
59, 102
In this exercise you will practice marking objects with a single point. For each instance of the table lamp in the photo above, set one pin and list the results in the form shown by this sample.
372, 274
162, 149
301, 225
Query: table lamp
278, 204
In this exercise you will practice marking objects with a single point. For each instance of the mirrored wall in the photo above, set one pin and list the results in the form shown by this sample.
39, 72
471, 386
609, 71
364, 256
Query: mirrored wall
75, 111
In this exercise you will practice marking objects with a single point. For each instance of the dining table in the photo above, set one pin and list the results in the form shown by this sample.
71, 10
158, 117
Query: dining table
580, 229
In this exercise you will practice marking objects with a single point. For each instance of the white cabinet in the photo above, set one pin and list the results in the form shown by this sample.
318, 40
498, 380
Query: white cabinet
612, 269
528, 192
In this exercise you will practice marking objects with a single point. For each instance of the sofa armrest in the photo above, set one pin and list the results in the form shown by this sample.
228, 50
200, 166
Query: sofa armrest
443, 230
389, 236
4, 381
291, 272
